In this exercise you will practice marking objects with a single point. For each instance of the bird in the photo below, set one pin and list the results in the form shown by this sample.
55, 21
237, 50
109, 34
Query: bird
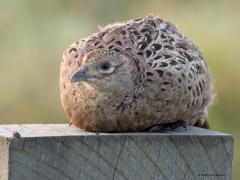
134, 76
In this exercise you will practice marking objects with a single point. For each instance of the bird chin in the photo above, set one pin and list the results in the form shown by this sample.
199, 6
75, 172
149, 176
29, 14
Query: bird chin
89, 85
92, 84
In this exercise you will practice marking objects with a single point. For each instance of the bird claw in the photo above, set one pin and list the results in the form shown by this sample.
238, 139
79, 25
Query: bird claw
167, 126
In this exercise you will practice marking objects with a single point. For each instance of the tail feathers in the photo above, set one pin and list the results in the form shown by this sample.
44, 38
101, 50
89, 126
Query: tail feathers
204, 124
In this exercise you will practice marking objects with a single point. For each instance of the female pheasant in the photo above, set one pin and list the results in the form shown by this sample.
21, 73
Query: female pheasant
133, 75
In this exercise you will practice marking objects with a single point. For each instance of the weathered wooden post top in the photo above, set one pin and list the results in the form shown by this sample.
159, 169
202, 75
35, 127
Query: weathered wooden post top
39, 152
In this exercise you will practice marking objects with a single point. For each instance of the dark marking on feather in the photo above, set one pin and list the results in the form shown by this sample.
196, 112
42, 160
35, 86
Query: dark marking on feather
72, 49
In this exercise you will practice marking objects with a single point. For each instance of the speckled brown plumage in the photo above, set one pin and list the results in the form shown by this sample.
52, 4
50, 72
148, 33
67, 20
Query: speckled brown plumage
132, 75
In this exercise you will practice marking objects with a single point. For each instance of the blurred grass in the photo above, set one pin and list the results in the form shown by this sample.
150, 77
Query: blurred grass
33, 35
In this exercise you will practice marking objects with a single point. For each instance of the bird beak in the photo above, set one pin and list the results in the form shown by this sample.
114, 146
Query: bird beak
79, 75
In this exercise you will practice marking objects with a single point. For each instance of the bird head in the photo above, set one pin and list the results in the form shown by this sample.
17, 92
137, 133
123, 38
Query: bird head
106, 70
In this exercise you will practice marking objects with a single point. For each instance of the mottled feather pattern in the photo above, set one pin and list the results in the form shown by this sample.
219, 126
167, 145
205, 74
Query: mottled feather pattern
170, 79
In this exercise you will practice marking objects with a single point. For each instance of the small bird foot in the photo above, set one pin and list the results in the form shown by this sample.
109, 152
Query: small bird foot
167, 126
70, 124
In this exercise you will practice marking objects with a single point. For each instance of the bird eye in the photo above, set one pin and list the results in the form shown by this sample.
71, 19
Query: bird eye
105, 66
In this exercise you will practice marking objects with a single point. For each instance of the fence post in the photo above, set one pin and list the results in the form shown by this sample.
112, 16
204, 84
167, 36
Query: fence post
38, 152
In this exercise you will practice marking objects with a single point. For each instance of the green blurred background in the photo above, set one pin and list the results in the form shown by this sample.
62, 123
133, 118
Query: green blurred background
33, 35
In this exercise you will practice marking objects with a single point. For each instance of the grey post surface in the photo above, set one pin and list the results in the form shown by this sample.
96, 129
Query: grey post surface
66, 153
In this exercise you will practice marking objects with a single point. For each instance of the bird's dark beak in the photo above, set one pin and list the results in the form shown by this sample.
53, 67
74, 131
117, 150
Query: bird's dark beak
79, 75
